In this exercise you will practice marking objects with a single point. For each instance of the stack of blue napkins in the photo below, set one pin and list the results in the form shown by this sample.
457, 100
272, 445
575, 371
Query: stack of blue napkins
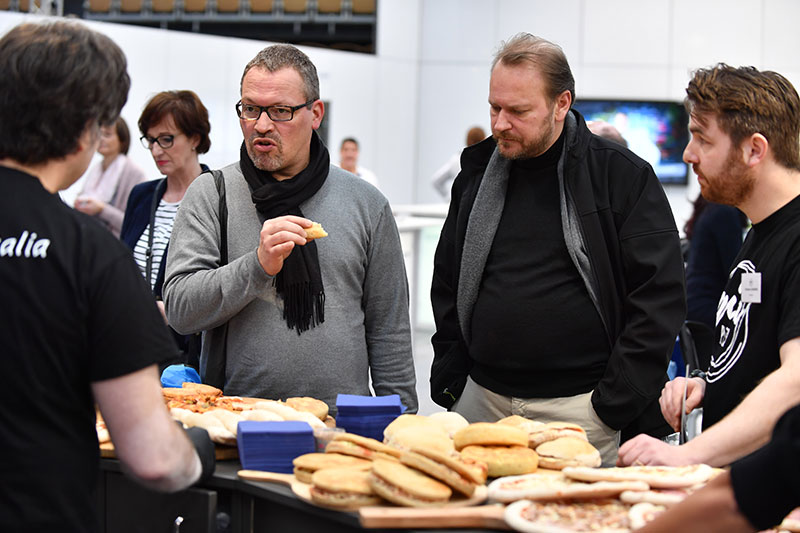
367, 416
272, 446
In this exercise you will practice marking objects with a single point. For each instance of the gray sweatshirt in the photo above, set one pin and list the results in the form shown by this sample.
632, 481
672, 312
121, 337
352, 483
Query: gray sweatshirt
366, 329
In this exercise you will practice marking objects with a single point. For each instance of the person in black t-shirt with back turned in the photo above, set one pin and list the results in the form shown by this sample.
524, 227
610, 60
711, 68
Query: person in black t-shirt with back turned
558, 278
77, 323
745, 127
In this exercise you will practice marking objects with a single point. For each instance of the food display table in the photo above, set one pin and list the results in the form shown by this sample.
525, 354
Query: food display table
225, 503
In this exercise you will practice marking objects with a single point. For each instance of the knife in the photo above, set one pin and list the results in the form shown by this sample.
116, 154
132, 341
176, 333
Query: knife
682, 434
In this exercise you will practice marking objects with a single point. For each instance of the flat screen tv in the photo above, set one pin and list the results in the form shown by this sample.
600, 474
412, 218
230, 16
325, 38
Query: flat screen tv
655, 131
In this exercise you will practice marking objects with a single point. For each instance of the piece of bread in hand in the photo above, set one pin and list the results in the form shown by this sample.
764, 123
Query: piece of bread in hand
315, 232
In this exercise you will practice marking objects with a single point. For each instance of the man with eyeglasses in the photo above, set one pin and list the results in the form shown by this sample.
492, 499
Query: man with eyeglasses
285, 316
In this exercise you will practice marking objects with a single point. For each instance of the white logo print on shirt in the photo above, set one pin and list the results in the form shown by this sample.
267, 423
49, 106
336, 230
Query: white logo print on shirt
27, 245
733, 324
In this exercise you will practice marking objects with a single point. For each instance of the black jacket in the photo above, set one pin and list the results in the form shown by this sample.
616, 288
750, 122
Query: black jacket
634, 261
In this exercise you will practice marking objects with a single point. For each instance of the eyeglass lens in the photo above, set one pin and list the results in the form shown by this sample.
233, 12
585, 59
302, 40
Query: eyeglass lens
164, 141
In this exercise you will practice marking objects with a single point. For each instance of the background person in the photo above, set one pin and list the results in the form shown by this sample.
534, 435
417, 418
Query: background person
108, 183
745, 126
715, 234
348, 160
551, 300
175, 128
442, 179
78, 326
303, 318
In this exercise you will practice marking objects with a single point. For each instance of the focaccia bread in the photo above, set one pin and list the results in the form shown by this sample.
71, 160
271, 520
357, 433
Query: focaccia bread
405, 486
503, 460
343, 488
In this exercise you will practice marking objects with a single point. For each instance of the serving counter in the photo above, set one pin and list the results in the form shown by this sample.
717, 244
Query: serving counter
224, 504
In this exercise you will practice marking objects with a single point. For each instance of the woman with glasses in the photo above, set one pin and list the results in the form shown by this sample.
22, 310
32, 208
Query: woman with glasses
108, 183
175, 128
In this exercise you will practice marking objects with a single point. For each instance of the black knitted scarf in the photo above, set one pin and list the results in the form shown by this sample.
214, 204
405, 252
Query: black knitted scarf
299, 282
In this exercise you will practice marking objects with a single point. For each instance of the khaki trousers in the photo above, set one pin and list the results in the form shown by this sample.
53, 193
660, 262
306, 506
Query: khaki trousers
478, 404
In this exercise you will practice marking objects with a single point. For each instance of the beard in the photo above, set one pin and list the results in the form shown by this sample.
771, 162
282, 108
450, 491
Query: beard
266, 162
732, 185
532, 148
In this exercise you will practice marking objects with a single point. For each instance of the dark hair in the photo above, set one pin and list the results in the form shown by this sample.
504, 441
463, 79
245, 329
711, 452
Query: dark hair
348, 140
547, 57
56, 79
186, 110
280, 56
123, 134
698, 206
475, 135
746, 101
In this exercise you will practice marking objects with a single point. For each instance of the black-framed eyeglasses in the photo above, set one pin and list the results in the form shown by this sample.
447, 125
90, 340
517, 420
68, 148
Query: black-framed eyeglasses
164, 141
276, 113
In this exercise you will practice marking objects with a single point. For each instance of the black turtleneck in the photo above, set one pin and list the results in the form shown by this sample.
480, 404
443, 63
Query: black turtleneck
535, 331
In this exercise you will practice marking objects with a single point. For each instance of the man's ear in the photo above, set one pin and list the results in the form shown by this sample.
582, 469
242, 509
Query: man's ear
318, 109
755, 148
562, 105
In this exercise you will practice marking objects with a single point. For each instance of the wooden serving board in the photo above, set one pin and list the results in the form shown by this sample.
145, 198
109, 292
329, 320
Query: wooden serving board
303, 492
222, 453
482, 516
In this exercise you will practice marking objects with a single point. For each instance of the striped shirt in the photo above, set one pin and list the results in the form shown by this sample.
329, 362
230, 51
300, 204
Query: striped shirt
164, 218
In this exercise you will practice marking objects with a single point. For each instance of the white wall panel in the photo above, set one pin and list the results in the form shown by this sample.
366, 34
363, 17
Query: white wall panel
620, 32
559, 22
456, 30
636, 83
781, 38
455, 99
706, 32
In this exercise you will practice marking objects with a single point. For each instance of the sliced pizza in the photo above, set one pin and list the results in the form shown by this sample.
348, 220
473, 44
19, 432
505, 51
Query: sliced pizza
658, 477
555, 486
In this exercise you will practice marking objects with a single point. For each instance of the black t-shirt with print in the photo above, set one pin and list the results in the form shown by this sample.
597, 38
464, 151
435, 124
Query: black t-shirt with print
75, 310
752, 323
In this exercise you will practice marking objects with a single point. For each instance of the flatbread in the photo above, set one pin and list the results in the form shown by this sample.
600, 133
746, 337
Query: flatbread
604, 516
663, 497
548, 486
658, 477
503, 460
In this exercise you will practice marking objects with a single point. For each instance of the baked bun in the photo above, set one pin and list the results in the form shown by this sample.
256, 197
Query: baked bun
567, 451
449, 421
342, 488
306, 404
429, 438
305, 465
555, 430
503, 460
521, 422
489, 434
461, 475
363, 447
404, 421
405, 486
